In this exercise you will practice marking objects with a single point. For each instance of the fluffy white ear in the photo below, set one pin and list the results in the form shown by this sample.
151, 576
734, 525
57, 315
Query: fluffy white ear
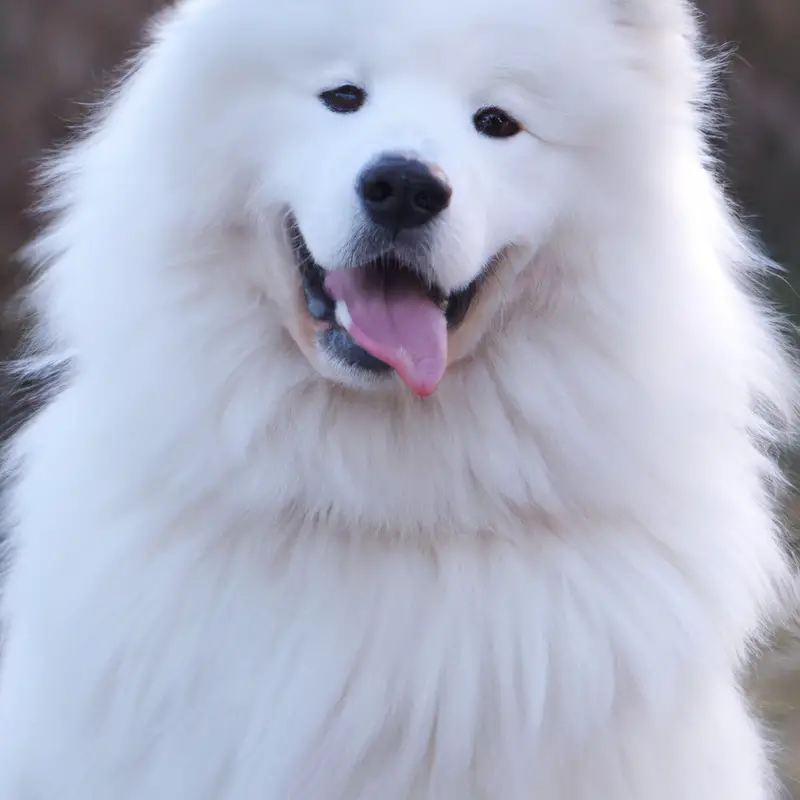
669, 46
674, 16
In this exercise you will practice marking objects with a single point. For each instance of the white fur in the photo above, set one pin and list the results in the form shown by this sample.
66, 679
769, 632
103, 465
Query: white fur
235, 578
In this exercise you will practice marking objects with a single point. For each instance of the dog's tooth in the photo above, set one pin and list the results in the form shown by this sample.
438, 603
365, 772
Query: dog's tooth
343, 314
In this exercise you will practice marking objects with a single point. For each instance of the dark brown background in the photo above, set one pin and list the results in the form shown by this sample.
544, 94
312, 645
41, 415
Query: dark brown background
54, 52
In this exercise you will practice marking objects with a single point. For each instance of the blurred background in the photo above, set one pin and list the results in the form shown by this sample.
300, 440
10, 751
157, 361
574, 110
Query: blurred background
57, 55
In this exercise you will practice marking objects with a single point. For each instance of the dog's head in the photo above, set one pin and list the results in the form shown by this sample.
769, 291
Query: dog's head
409, 160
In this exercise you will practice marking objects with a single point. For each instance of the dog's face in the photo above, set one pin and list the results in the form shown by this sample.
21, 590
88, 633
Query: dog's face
412, 158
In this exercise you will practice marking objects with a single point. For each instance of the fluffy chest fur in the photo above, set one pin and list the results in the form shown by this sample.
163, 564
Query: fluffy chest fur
224, 631
324, 671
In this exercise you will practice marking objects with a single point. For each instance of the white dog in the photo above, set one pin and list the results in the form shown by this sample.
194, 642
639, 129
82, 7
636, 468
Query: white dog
417, 439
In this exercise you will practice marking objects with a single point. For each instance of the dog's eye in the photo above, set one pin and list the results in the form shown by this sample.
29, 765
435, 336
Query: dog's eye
344, 99
496, 123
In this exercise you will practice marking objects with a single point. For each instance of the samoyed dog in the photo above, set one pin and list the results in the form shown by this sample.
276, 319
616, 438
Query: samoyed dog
418, 428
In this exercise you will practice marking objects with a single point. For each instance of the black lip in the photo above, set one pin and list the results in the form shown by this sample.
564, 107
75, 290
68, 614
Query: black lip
342, 347
322, 307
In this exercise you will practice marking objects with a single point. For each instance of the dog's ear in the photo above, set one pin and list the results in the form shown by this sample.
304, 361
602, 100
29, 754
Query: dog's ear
669, 43
673, 16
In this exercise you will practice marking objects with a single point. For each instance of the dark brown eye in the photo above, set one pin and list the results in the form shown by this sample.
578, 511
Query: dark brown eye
344, 99
496, 123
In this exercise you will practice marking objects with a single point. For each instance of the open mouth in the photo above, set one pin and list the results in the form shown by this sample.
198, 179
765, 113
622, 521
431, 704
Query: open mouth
383, 315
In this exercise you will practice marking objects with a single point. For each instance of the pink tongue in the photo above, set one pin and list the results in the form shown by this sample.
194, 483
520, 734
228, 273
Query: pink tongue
399, 325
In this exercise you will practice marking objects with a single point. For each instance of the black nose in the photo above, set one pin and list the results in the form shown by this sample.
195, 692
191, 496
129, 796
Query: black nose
399, 192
